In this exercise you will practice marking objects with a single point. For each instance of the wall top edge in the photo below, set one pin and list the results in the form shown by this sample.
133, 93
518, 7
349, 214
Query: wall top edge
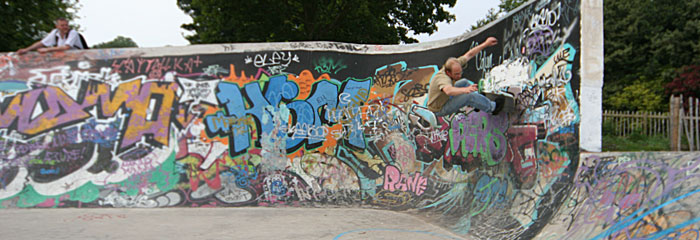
341, 47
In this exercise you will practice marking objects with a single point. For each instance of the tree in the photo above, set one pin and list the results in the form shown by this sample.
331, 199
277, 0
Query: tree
647, 40
503, 8
687, 83
25, 22
356, 21
118, 42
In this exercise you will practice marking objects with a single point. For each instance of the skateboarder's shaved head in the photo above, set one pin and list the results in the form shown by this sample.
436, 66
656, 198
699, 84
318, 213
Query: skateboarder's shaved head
452, 61
453, 69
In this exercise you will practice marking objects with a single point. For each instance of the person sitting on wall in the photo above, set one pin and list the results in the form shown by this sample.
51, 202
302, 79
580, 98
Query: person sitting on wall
60, 39
449, 92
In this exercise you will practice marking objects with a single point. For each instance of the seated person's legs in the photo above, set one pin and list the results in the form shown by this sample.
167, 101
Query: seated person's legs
463, 83
474, 100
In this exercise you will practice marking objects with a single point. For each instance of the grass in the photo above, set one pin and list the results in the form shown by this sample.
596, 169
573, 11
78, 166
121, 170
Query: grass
635, 143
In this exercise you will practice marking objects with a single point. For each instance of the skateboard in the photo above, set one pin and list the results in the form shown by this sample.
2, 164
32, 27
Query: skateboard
507, 100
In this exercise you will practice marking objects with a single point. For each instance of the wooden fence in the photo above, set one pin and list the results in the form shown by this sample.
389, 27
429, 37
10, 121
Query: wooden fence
689, 119
624, 123
681, 124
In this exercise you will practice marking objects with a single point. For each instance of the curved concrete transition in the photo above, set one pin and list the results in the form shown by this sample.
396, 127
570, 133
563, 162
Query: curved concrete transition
326, 124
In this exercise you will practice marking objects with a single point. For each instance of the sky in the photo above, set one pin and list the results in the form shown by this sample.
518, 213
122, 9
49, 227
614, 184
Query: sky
156, 23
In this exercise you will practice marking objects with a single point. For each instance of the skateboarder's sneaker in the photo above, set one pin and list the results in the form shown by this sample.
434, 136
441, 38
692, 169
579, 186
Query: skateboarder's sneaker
504, 102
500, 101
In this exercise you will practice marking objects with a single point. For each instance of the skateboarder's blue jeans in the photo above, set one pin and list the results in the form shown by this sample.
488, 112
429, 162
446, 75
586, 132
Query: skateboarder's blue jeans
474, 100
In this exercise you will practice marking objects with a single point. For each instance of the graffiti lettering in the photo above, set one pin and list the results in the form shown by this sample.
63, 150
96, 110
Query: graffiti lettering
328, 65
155, 67
280, 89
479, 134
394, 180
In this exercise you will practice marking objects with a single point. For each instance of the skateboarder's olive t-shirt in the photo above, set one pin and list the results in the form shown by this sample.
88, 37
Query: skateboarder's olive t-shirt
436, 97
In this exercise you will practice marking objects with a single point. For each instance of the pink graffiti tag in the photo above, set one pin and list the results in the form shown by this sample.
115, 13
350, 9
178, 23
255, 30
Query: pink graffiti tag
393, 180
155, 67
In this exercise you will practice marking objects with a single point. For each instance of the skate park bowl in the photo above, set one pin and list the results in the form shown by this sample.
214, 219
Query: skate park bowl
326, 125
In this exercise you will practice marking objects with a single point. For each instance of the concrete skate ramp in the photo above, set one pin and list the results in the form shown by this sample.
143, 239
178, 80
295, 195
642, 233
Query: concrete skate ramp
303, 124
254, 223
630, 196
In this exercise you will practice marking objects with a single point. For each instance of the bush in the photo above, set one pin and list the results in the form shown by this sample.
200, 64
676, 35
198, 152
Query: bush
687, 82
642, 95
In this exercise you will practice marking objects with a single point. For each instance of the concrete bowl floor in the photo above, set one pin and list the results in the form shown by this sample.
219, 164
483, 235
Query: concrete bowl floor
216, 223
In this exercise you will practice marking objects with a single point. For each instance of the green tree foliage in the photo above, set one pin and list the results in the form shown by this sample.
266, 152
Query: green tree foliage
118, 42
25, 22
356, 21
647, 40
504, 7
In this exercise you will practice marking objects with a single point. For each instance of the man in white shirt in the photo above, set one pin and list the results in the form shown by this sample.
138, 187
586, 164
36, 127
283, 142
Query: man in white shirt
60, 39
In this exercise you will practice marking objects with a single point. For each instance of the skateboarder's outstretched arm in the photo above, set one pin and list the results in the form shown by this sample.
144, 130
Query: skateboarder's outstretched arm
491, 41
457, 73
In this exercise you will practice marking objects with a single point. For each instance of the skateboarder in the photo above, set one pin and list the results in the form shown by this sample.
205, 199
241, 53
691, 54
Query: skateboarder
448, 91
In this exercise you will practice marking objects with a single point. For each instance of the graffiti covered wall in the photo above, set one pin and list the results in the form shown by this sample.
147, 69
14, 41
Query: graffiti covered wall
631, 196
301, 124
